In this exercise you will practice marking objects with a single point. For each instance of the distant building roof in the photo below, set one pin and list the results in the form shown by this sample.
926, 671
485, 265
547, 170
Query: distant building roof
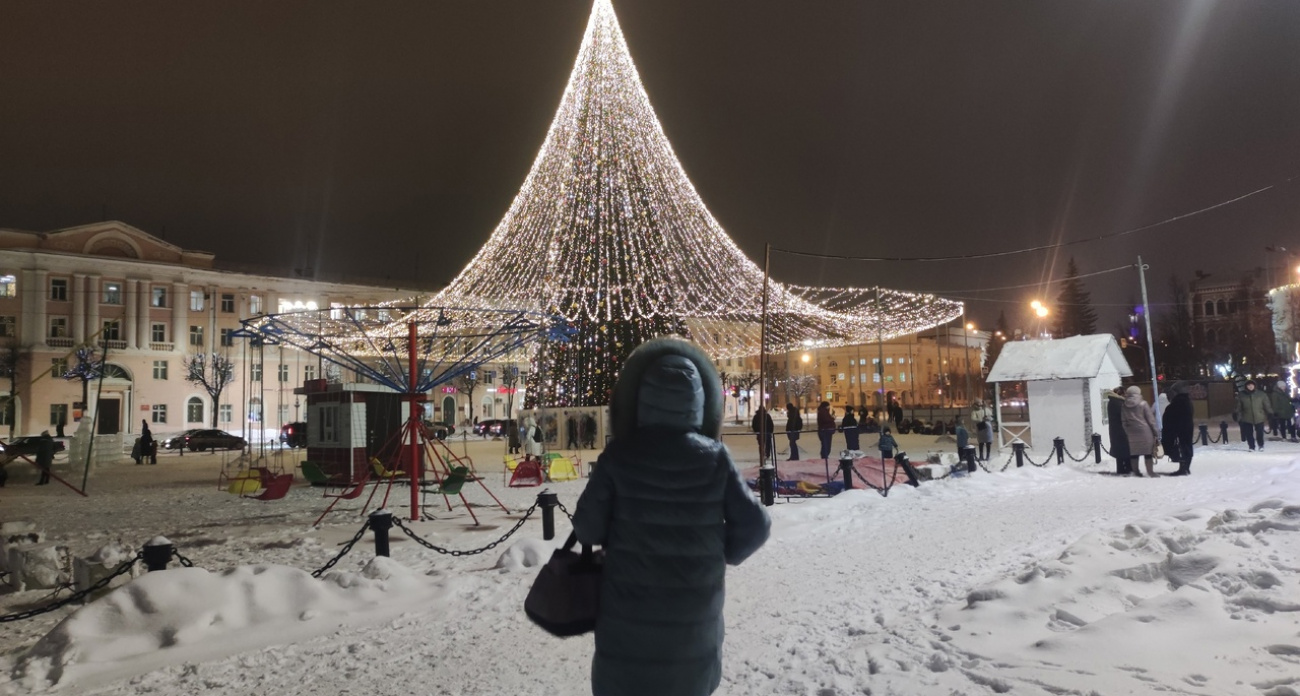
1063, 358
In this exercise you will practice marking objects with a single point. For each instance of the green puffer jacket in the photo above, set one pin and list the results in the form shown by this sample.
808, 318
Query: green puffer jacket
1252, 407
671, 511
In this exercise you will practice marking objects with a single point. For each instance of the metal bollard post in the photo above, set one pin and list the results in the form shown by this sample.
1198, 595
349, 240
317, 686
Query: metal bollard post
1204, 435
1223, 432
380, 522
1019, 448
1096, 447
767, 485
1058, 444
548, 501
906, 465
846, 468
157, 552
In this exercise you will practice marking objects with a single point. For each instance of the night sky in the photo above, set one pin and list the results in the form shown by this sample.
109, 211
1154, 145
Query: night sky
386, 139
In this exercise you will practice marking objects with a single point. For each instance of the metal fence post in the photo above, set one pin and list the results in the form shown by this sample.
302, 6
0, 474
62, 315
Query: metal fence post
380, 522
1019, 448
1204, 435
1223, 432
846, 468
548, 501
157, 552
1058, 444
1096, 447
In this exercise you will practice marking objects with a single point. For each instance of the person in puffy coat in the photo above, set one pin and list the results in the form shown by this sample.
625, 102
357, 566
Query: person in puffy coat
850, 427
825, 427
1283, 411
1176, 428
532, 448
1140, 429
1118, 440
671, 511
1252, 411
793, 424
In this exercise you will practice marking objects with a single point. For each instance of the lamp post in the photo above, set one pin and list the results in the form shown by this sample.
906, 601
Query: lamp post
966, 346
803, 387
1041, 311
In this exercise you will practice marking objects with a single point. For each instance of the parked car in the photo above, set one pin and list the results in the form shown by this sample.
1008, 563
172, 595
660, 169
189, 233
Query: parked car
177, 441
440, 430
492, 426
24, 446
200, 440
294, 435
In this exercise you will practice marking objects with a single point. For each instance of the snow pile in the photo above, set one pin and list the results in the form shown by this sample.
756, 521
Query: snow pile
190, 613
1203, 602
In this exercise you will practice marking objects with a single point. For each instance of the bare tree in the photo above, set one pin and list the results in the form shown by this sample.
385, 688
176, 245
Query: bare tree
467, 383
212, 371
802, 387
87, 368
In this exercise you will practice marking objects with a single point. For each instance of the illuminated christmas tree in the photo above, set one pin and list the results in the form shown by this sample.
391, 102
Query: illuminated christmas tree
608, 231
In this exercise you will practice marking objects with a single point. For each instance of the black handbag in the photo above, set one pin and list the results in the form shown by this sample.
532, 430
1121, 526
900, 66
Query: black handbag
565, 597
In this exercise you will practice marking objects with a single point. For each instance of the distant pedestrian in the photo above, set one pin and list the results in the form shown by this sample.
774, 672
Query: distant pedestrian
1118, 440
982, 420
793, 425
589, 431
895, 411
1177, 427
764, 432
850, 427
825, 427
963, 438
45, 456
512, 435
1283, 411
887, 444
571, 429
1140, 428
147, 450
532, 439
1252, 411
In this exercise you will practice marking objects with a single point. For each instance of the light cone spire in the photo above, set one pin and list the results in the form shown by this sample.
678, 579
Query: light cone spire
608, 231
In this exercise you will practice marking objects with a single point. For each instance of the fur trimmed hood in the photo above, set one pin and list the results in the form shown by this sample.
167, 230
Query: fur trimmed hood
623, 405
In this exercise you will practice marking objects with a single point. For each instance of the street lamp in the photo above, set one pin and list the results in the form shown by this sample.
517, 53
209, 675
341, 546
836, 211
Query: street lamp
1040, 310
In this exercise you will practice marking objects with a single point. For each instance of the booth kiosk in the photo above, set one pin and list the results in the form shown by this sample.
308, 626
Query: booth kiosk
1066, 380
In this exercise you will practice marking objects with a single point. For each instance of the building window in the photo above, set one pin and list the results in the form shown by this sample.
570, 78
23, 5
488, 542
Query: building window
227, 339
58, 327
284, 373
159, 297
8, 286
112, 293
489, 377
58, 414
1209, 308
59, 289
160, 369
58, 367
255, 304
194, 410
308, 372
158, 333
227, 413
7, 412
159, 413
196, 300
8, 326
1222, 308
255, 410
228, 303
328, 420
336, 312
255, 372
112, 330
284, 413
902, 360
902, 376
889, 361
196, 336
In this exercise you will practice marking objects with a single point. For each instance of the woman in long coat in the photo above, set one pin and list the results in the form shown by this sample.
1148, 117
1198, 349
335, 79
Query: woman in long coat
1177, 427
825, 427
850, 427
1140, 428
532, 448
671, 511
1118, 440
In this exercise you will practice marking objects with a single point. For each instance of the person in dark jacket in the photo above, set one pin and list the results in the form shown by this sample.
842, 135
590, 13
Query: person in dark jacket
571, 430
825, 427
671, 511
1283, 411
1252, 411
44, 456
512, 436
764, 433
850, 427
887, 444
1118, 440
895, 411
1177, 428
793, 424
148, 449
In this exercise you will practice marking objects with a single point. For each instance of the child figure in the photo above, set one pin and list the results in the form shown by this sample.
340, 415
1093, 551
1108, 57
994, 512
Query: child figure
887, 444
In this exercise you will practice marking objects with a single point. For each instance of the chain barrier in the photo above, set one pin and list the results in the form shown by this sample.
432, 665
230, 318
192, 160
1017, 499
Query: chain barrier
1087, 453
122, 569
346, 548
868, 484
181, 559
564, 510
1046, 460
456, 552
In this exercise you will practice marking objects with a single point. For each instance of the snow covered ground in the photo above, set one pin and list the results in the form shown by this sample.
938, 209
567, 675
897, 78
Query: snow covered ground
1034, 581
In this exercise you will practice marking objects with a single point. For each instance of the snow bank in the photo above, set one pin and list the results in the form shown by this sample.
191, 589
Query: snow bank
191, 613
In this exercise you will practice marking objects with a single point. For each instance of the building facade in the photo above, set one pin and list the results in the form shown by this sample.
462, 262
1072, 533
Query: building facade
1232, 320
146, 306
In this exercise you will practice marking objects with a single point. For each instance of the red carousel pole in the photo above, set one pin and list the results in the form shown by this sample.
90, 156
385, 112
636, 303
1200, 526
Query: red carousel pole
413, 424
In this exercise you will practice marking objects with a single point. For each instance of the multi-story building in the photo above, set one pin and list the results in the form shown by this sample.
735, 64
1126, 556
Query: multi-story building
1232, 321
146, 305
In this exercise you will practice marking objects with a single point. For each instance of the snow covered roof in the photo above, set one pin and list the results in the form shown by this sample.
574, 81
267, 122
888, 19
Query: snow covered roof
1062, 358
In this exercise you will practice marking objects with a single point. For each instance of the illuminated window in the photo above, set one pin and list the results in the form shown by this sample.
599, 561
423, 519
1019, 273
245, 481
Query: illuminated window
159, 297
8, 286
112, 293
196, 300
159, 412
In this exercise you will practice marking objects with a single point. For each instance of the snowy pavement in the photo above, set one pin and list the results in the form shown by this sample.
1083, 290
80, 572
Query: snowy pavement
1033, 581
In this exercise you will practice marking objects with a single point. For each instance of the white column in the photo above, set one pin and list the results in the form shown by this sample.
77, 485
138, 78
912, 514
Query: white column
144, 328
210, 308
93, 294
130, 295
180, 309
78, 291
